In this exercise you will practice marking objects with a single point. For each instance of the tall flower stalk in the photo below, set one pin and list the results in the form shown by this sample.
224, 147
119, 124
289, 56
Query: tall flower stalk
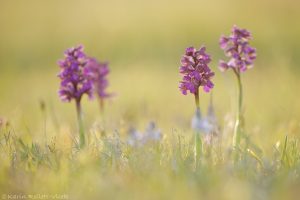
196, 73
241, 57
97, 73
74, 83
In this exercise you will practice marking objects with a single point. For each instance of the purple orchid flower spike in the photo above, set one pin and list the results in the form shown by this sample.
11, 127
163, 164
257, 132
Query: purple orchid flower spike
196, 73
97, 73
74, 83
241, 57
236, 47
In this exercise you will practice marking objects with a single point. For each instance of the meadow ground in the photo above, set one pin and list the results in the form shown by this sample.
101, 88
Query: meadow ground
143, 42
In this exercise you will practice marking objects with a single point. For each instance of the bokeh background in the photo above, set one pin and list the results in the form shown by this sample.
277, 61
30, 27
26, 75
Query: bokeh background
143, 42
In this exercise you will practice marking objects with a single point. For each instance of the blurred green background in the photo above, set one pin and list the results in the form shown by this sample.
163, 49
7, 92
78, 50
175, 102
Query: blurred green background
143, 42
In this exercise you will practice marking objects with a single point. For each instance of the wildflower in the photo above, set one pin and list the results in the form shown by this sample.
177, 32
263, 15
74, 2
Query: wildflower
201, 124
74, 82
134, 138
152, 133
97, 72
241, 57
138, 139
207, 125
196, 121
195, 71
236, 47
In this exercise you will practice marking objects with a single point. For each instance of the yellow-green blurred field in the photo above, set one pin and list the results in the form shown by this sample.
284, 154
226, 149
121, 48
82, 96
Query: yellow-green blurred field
143, 42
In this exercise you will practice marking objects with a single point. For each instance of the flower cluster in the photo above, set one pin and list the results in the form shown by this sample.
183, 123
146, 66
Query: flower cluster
138, 139
97, 73
237, 48
74, 82
195, 71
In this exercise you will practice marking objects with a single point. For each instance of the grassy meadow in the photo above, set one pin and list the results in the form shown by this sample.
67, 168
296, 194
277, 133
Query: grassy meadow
143, 41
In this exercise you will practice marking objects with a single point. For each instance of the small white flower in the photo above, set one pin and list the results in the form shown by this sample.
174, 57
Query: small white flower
134, 137
205, 125
137, 139
200, 124
151, 133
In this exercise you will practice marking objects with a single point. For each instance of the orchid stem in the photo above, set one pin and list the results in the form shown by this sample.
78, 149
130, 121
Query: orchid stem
197, 99
198, 141
80, 124
238, 129
101, 107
